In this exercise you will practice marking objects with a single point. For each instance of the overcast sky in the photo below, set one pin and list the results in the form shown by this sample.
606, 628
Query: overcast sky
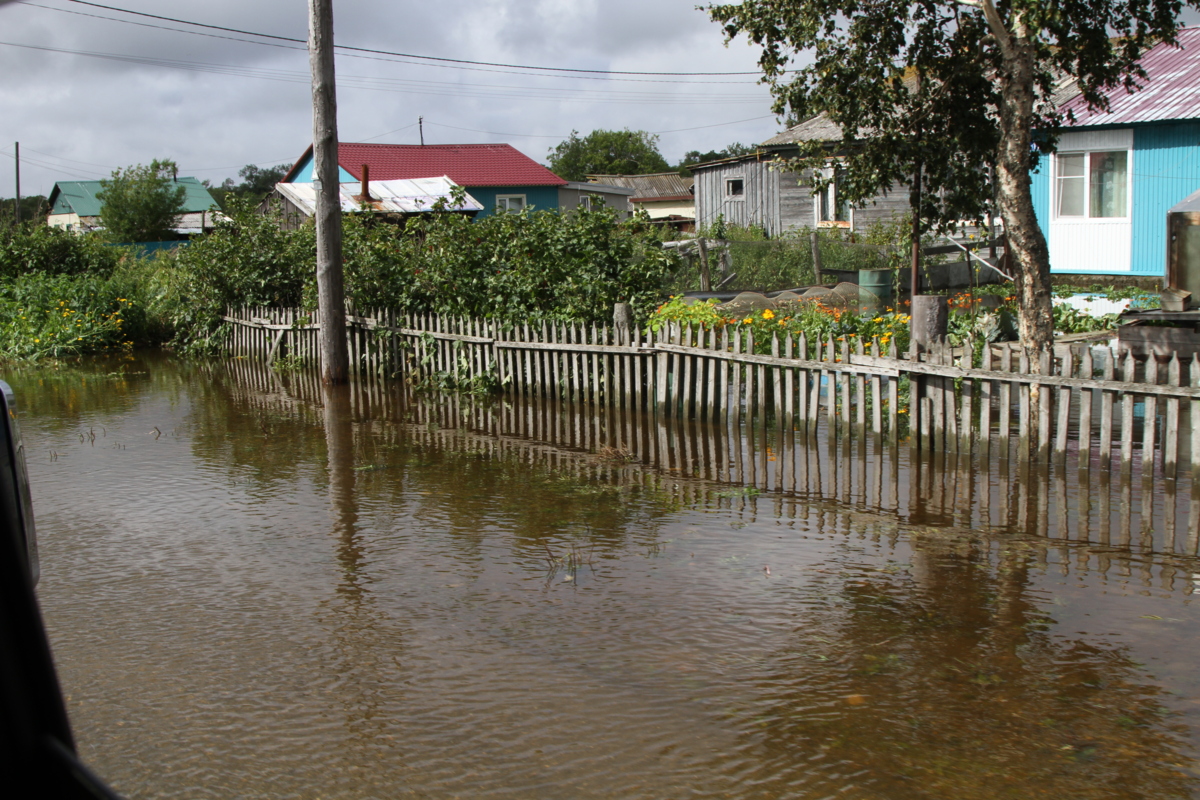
86, 89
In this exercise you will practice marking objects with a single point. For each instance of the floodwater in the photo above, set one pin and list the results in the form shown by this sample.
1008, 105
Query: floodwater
253, 594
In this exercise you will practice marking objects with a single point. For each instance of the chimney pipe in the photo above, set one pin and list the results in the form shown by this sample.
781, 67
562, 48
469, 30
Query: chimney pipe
365, 197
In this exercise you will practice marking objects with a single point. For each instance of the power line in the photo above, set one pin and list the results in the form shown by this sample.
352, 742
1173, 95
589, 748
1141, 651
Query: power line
404, 86
406, 55
564, 136
390, 60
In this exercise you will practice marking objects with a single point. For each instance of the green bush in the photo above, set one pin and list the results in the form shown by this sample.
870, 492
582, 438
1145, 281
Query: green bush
44, 316
513, 267
814, 319
34, 247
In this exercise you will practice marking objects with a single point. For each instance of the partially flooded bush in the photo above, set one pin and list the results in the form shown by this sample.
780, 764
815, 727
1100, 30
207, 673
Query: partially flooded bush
52, 316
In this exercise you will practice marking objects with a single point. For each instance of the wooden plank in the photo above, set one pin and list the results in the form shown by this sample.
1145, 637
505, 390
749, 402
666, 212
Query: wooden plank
966, 422
830, 382
1106, 412
1087, 398
1064, 412
1025, 410
939, 352
860, 393
802, 388
876, 395
893, 400
1044, 409
905, 366
986, 388
844, 393
1128, 368
1171, 424
1149, 423
1193, 539
735, 368
661, 381
950, 399
685, 400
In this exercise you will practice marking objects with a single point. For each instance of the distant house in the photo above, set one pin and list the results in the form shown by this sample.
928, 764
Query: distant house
1102, 198
579, 194
756, 189
75, 207
666, 197
393, 200
499, 176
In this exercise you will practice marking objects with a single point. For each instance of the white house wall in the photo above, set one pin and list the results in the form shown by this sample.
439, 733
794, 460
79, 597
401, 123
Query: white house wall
1092, 244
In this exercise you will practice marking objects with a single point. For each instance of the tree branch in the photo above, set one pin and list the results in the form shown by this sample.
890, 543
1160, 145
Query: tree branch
1003, 37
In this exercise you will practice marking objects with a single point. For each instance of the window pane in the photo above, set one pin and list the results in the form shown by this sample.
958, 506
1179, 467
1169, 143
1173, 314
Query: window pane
1070, 185
734, 187
1108, 184
1070, 166
512, 203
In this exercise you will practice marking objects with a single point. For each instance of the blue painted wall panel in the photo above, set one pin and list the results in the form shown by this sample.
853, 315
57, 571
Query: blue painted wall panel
305, 175
1166, 169
542, 198
1040, 188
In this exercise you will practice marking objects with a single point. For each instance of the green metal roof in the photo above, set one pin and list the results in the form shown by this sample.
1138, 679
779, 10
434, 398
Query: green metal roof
80, 197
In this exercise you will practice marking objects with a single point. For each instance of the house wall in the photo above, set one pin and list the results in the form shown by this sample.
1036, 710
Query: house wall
69, 221
667, 208
758, 204
778, 201
305, 174
796, 202
1166, 169
884, 208
568, 198
541, 197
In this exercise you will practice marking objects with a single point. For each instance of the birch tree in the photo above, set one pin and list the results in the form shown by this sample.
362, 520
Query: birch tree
963, 87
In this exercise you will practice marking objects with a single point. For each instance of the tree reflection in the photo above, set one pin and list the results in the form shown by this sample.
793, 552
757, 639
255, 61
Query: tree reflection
946, 680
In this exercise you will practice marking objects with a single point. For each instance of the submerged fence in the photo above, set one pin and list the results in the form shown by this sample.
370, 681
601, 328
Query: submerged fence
1084, 516
1082, 407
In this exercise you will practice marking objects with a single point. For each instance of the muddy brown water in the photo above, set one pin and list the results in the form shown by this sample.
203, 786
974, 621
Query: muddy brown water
251, 594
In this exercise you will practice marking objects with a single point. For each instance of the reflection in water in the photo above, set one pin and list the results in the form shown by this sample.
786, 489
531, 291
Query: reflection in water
296, 591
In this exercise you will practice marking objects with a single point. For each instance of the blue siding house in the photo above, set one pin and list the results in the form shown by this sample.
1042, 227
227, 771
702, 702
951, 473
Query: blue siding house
1102, 197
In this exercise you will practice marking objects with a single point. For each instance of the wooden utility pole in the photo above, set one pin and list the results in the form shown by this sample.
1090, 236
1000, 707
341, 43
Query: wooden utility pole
17, 209
331, 293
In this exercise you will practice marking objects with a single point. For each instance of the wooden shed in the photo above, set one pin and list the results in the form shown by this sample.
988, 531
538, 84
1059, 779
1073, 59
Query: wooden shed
756, 189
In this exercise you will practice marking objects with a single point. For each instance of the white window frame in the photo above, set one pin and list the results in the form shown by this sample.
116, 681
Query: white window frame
829, 194
729, 193
502, 203
1086, 218
590, 201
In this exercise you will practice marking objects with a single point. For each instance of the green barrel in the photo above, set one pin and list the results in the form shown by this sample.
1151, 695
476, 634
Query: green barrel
876, 281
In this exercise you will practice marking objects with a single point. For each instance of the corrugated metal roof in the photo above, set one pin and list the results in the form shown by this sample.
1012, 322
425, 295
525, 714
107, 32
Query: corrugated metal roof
410, 196
465, 164
1170, 91
80, 197
654, 186
815, 129
1189, 203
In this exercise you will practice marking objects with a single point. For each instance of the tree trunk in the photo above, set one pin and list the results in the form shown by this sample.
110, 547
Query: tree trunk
331, 293
1025, 240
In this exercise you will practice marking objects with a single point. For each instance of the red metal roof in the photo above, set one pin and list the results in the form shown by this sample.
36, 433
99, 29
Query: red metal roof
465, 164
1170, 91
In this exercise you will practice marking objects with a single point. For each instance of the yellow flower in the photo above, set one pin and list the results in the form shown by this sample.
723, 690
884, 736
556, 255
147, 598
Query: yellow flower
748, 320
768, 314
